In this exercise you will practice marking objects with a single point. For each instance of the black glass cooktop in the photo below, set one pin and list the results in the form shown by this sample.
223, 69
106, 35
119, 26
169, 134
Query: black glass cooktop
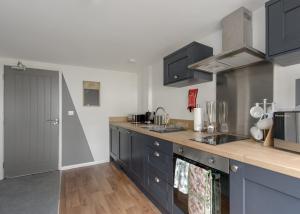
219, 139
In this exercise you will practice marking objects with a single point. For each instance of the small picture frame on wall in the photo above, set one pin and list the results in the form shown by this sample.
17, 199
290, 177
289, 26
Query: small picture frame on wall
91, 93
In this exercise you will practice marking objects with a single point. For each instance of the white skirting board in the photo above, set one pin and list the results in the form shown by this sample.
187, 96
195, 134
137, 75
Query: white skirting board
82, 165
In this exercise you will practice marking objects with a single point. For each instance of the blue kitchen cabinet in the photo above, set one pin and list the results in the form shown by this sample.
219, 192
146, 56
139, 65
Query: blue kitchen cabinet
125, 148
255, 190
114, 142
148, 161
159, 173
176, 71
137, 158
283, 31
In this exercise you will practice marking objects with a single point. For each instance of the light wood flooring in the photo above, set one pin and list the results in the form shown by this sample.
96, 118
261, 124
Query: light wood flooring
101, 189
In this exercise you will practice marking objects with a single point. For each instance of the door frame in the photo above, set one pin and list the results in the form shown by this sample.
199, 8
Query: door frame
34, 65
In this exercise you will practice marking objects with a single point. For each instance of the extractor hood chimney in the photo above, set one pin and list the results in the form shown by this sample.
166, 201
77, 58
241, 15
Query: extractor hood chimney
237, 45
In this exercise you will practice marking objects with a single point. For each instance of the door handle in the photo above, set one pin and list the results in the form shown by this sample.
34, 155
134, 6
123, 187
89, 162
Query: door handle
54, 122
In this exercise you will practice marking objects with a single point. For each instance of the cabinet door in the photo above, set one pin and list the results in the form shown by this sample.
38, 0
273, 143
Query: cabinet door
283, 29
114, 142
160, 161
125, 147
175, 67
159, 189
255, 190
137, 163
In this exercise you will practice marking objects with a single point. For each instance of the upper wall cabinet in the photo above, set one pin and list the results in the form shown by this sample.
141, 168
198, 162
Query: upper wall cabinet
283, 31
176, 72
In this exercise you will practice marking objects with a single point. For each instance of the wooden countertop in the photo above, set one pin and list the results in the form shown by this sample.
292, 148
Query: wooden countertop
246, 151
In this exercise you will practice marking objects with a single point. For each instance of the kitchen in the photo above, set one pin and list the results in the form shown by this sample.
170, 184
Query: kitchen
245, 170
220, 93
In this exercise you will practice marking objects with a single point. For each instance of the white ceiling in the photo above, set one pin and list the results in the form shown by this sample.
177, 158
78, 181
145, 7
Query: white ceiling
107, 33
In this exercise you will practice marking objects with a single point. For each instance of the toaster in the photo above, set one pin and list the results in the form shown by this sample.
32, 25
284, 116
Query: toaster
286, 130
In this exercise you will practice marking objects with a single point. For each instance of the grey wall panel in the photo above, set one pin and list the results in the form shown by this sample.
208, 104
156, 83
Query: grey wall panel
75, 148
297, 92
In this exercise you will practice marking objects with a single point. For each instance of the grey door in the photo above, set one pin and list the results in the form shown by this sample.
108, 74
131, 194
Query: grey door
31, 106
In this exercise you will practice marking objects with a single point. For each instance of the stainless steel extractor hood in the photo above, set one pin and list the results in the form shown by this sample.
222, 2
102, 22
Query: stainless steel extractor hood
237, 45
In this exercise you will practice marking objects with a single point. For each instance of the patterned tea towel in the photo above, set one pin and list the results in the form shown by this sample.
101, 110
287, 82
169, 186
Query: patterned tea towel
200, 190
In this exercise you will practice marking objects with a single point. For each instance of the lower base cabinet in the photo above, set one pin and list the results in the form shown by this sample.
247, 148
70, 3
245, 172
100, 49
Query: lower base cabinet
160, 189
114, 142
255, 190
125, 148
143, 166
137, 161
148, 162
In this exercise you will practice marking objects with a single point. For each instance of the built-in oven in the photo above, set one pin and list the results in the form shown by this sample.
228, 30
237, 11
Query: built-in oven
219, 168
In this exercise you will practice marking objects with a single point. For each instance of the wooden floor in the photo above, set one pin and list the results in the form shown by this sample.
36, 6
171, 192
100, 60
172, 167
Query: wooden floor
101, 189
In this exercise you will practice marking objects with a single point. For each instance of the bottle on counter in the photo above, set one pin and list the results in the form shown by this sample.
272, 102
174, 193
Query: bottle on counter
198, 118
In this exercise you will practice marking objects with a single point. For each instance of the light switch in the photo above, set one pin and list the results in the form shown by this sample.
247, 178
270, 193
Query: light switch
70, 113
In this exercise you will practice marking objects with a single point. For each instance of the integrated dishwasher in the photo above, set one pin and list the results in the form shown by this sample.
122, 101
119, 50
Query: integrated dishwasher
219, 168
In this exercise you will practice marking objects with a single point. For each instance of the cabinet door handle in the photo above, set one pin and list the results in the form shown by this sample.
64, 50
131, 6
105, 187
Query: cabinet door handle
234, 168
156, 179
156, 143
156, 154
176, 76
211, 160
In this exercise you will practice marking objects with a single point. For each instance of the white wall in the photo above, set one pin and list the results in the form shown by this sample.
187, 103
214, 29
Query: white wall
259, 29
175, 100
118, 97
145, 90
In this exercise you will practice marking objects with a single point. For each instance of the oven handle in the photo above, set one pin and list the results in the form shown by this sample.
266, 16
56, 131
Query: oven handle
206, 159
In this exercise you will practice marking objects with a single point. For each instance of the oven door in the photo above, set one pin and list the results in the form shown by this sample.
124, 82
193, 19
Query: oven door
220, 188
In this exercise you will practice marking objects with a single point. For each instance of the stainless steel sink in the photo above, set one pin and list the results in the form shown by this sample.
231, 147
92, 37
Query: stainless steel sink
163, 129
150, 126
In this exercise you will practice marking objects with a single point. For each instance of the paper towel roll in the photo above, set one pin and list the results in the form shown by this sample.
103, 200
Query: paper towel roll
198, 119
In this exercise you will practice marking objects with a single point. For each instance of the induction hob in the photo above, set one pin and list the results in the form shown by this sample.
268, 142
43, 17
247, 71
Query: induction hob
218, 139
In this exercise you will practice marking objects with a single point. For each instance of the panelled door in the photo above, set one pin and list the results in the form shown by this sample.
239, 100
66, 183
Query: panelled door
31, 112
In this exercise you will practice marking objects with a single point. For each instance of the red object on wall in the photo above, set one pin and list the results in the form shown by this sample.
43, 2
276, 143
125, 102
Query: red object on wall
192, 99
